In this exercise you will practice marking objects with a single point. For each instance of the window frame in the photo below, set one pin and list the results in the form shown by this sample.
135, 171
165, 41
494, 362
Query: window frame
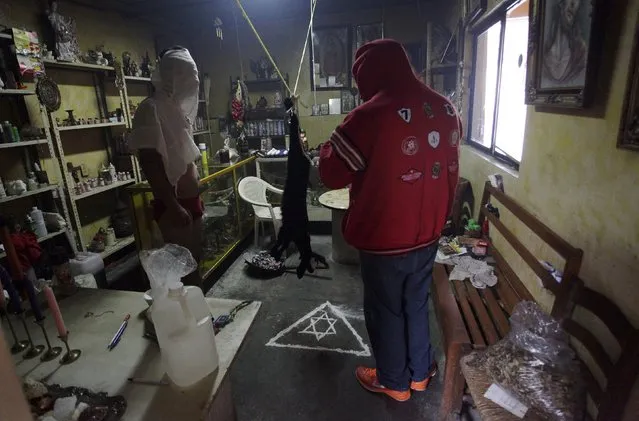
497, 15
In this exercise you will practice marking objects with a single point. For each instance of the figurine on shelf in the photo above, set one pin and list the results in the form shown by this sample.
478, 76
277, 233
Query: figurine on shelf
261, 104
129, 66
277, 100
262, 68
145, 67
100, 60
66, 41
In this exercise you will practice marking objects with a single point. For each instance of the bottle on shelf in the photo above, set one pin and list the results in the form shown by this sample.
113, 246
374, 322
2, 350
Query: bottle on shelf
3, 193
204, 161
39, 227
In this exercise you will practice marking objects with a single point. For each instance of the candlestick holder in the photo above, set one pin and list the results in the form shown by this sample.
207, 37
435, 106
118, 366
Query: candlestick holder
52, 352
18, 345
72, 354
34, 350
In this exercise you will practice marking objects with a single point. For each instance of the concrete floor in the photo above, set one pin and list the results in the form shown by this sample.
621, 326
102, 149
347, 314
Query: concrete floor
293, 383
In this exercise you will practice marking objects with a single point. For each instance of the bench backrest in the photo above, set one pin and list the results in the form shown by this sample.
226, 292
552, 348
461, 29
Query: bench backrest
572, 256
572, 297
610, 396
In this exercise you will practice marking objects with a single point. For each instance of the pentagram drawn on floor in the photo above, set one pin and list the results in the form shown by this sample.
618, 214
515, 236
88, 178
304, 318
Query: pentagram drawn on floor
324, 328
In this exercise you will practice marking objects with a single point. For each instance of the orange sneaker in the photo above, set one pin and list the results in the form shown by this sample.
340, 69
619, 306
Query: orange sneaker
367, 377
423, 385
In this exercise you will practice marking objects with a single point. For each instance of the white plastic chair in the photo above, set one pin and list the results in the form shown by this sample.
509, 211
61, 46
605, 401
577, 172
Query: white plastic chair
253, 190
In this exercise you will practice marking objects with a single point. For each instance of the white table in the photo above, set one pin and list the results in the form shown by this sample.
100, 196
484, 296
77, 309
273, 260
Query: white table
338, 201
101, 370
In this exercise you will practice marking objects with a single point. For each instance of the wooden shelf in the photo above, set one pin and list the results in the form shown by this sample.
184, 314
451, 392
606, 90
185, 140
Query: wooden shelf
119, 245
77, 66
201, 132
264, 85
29, 193
16, 92
266, 114
138, 79
90, 126
23, 143
102, 189
42, 239
6, 36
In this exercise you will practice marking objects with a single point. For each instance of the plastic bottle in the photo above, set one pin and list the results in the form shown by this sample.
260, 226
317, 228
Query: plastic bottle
205, 160
15, 134
39, 227
8, 133
181, 316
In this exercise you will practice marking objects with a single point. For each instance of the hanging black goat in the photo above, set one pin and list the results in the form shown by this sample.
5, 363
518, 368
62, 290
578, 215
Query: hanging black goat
295, 224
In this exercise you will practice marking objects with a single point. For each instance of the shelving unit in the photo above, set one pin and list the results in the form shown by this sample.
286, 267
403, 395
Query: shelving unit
42, 239
257, 120
119, 245
98, 74
23, 143
29, 152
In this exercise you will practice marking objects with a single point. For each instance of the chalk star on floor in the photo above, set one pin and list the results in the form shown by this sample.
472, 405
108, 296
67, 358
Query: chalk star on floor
312, 327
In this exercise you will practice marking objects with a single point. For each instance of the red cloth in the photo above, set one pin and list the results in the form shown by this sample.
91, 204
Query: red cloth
193, 205
399, 151
27, 248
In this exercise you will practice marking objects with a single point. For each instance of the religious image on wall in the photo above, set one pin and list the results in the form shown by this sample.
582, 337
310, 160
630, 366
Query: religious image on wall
28, 52
330, 68
368, 33
564, 43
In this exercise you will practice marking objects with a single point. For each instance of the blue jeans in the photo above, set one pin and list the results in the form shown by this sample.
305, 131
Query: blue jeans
396, 291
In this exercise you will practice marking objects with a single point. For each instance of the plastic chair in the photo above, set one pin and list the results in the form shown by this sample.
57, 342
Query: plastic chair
253, 190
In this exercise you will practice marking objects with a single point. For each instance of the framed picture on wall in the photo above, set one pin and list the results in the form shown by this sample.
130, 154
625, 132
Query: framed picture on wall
563, 53
367, 33
473, 10
331, 58
629, 128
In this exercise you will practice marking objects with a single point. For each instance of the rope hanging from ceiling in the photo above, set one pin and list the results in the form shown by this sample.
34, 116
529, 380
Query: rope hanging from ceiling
293, 93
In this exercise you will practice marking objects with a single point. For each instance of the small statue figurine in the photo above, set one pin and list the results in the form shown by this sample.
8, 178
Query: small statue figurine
127, 64
100, 60
262, 68
277, 100
145, 67
66, 41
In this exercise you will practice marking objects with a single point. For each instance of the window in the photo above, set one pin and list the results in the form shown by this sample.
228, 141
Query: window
498, 112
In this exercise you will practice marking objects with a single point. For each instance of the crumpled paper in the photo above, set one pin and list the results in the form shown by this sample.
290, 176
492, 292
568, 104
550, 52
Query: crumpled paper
481, 275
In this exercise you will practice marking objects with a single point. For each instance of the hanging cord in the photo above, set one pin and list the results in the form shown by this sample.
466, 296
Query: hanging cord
308, 33
239, 49
259, 39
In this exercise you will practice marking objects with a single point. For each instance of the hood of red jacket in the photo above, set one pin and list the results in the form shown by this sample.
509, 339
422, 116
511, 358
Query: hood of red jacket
382, 65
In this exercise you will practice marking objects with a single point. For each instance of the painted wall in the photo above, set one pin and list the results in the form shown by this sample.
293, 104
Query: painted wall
285, 40
577, 182
94, 27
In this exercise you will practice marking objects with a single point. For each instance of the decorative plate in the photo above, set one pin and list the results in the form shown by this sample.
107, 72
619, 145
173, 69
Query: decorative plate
48, 93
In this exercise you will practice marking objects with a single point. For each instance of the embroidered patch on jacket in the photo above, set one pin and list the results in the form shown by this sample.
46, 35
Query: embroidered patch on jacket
433, 139
453, 167
428, 109
405, 114
450, 110
436, 170
410, 146
454, 138
412, 176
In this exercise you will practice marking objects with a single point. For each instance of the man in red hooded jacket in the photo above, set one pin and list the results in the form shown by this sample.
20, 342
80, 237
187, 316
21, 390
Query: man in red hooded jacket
399, 153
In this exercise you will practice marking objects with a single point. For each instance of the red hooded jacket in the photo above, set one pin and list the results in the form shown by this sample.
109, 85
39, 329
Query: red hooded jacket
399, 152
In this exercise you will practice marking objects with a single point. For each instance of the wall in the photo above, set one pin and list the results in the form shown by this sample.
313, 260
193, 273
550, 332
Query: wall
85, 147
285, 40
577, 182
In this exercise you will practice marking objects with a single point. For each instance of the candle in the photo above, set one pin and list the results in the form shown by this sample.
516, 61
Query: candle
15, 305
33, 299
55, 311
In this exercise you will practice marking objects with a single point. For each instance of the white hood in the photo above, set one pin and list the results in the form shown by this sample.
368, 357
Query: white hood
164, 122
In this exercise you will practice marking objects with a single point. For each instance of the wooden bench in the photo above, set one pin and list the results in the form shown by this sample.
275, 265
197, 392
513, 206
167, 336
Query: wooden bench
473, 319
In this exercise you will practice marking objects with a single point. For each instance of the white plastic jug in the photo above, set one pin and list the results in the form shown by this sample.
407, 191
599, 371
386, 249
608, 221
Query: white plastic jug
183, 326
181, 316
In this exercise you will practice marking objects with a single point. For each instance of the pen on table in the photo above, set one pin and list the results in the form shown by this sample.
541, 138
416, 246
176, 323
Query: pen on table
118, 334
147, 381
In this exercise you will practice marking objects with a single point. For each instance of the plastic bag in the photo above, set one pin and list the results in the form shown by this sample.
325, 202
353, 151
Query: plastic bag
536, 363
166, 266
